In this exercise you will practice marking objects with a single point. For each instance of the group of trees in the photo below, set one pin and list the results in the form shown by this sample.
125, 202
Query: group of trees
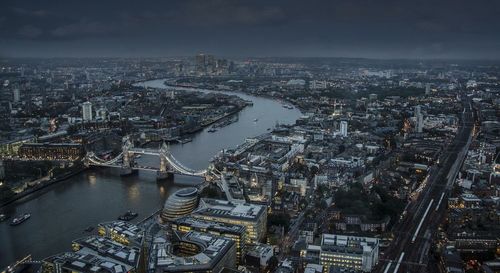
375, 204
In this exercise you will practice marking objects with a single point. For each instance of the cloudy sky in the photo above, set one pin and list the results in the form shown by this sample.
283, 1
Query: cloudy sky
334, 28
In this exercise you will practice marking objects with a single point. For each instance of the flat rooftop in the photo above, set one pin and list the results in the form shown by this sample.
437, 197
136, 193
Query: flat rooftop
226, 209
84, 262
212, 249
209, 225
347, 244
124, 228
109, 249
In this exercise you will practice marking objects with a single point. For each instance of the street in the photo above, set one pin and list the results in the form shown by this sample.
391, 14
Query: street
414, 233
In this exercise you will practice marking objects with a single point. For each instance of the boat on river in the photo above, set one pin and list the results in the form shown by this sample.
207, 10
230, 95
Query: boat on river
20, 219
129, 215
3, 217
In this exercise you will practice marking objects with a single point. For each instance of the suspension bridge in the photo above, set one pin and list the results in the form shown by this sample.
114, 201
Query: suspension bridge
169, 165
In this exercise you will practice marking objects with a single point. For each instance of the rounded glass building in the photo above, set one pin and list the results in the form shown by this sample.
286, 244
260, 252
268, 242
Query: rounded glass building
179, 204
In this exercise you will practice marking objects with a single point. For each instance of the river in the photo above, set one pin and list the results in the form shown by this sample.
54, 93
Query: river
60, 213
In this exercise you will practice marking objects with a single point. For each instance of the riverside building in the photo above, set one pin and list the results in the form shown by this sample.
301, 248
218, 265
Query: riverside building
252, 217
192, 252
237, 233
179, 204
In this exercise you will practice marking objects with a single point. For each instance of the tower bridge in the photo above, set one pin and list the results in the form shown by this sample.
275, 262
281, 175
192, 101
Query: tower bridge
126, 161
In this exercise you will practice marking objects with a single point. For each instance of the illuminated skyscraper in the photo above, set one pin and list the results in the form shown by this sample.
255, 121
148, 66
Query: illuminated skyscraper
87, 111
343, 128
17, 95
419, 119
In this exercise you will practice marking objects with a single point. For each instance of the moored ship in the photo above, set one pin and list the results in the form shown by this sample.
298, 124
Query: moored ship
129, 215
20, 219
3, 217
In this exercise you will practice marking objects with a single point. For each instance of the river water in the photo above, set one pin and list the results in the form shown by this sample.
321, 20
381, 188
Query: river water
61, 213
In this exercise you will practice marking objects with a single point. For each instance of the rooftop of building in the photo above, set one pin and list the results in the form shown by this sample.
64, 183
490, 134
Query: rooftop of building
226, 209
210, 225
108, 249
348, 244
85, 262
212, 249
127, 229
260, 250
187, 192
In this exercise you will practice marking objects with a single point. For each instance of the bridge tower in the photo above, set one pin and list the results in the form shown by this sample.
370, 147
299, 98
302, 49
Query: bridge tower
128, 158
164, 171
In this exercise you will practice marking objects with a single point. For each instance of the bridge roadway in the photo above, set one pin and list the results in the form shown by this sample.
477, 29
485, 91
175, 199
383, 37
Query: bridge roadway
414, 233
117, 162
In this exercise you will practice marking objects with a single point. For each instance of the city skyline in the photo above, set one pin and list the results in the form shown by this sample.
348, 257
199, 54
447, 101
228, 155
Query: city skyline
237, 136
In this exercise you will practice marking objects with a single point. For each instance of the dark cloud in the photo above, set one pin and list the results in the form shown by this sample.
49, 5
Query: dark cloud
353, 28
84, 28
30, 32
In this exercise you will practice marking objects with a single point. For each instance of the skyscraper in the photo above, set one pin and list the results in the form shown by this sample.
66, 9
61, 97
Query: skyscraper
17, 95
419, 119
87, 111
205, 64
427, 88
200, 64
343, 128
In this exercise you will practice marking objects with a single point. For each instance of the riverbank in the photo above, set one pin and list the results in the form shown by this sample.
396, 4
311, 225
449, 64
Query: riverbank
41, 186
214, 88
62, 212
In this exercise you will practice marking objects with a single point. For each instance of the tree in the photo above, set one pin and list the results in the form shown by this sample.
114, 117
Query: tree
272, 264
279, 219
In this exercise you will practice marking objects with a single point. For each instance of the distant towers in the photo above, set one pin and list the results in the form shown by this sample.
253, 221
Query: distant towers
200, 63
427, 88
206, 64
17, 95
343, 128
87, 111
419, 119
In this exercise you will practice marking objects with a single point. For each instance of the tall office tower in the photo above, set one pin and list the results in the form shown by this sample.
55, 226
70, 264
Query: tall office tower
343, 128
87, 111
210, 63
200, 61
17, 95
419, 119
427, 88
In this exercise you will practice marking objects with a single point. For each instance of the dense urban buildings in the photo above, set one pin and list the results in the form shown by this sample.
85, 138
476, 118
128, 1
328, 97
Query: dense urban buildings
382, 167
210, 162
